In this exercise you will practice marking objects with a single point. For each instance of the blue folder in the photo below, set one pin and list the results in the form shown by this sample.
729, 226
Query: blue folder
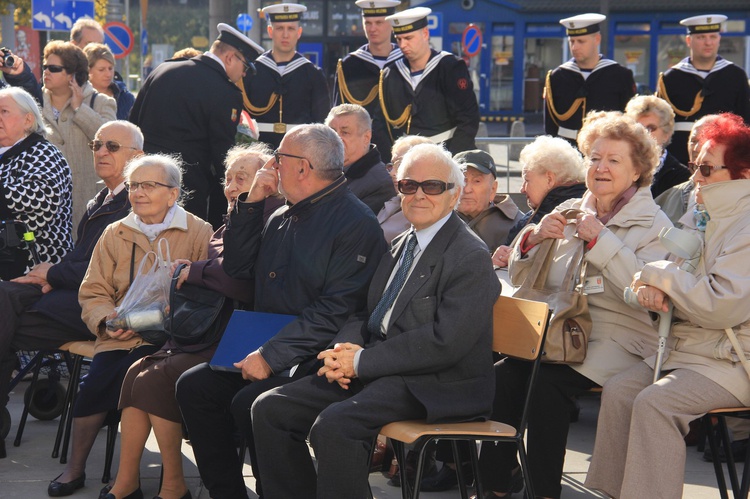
245, 333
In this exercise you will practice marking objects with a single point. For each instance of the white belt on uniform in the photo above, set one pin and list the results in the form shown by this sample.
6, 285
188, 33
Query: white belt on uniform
274, 127
568, 133
683, 126
443, 136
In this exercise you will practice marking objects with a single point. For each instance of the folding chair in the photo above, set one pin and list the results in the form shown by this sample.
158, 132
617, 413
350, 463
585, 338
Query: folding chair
81, 350
520, 328
738, 490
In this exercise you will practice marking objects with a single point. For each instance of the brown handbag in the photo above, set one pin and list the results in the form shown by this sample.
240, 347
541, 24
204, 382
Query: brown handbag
570, 325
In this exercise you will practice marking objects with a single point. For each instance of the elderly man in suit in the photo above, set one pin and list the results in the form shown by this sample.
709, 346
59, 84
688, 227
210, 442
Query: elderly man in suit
424, 347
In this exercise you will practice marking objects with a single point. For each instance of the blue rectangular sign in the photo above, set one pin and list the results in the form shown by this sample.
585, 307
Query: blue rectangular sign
59, 15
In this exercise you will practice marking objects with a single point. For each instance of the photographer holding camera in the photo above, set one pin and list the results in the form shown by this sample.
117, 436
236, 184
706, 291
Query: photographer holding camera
17, 73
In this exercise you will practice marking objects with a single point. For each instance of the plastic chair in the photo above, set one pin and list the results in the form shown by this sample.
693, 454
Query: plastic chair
739, 490
520, 329
81, 351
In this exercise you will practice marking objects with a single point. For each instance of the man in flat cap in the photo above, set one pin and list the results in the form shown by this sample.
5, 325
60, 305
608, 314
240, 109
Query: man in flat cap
357, 74
192, 107
426, 92
703, 83
287, 88
587, 82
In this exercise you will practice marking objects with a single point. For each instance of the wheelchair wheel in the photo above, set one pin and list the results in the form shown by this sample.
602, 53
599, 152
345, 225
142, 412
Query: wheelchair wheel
46, 400
4, 423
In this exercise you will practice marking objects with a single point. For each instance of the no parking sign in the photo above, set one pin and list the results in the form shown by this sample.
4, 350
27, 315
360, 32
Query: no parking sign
118, 38
471, 41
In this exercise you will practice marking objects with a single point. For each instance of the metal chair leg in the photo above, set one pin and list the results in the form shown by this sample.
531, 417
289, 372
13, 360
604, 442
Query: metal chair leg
718, 469
37, 360
75, 375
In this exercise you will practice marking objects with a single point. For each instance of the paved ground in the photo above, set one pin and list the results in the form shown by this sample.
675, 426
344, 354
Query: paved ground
27, 470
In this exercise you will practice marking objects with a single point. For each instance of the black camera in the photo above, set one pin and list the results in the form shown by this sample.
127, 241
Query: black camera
7, 57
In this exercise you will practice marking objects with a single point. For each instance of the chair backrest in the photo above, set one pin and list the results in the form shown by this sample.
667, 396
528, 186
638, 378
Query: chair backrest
519, 327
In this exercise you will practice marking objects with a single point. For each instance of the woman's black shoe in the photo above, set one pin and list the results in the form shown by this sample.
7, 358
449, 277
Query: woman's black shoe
59, 489
187, 495
105, 490
137, 494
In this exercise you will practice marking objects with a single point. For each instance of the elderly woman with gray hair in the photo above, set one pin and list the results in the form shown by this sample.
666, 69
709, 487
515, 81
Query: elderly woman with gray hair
553, 172
154, 188
657, 116
35, 183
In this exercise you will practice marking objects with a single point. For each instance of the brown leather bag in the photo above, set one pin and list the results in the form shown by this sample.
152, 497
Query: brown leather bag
570, 325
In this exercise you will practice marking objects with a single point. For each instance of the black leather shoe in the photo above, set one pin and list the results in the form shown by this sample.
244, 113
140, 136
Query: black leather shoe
186, 496
59, 489
445, 479
105, 490
137, 494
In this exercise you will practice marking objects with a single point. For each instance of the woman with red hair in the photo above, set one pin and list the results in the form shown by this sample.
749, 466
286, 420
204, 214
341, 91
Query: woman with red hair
710, 333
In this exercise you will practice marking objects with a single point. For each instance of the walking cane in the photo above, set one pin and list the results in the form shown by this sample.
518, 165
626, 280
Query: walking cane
683, 245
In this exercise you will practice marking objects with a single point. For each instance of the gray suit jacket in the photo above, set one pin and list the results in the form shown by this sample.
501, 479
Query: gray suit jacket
440, 336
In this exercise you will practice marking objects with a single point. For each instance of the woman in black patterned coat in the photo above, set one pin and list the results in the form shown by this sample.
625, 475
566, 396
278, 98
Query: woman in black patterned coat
35, 183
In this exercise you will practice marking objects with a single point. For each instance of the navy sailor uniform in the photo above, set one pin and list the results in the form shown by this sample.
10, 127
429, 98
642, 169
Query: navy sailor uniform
694, 94
439, 103
570, 93
281, 95
356, 82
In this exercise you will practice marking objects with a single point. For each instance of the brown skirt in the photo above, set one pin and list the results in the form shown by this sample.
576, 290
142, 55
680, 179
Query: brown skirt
150, 382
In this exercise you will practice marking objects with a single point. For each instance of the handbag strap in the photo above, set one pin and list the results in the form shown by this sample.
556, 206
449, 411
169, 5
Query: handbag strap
172, 288
537, 276
132, 264
738, 349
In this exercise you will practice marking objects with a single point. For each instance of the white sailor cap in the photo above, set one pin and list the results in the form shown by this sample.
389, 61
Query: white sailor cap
377, 8
583, 24
409, 20
709, 23
284, 12
248, 48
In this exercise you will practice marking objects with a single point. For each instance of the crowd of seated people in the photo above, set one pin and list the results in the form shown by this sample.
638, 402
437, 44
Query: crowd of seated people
382, 265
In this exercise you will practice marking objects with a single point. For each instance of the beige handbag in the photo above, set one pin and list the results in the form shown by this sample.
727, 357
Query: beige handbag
570, 325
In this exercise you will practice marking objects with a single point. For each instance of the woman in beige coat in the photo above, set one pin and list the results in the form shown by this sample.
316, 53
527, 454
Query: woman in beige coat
639, 450
153, 182
620, 225
74, 111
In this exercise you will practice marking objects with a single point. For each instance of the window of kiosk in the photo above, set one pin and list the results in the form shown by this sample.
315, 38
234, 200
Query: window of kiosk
541, 55
632, 49
501, 73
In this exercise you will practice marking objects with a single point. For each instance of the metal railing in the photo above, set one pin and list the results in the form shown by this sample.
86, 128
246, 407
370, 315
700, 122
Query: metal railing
509, 142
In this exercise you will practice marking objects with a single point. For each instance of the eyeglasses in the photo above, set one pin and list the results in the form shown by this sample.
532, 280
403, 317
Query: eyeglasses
111, 145
52, 68
429, 187
245, 64
705, 169
277, 157
147, 186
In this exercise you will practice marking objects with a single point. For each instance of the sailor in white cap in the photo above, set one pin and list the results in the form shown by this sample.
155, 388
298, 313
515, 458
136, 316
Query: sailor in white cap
192, 107
586, 82
703, 83
426, 92
287, 89
357, 74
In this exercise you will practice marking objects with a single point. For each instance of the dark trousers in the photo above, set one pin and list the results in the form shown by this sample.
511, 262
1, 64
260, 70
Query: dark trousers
342, 425
549, 421
21, 329
213, 404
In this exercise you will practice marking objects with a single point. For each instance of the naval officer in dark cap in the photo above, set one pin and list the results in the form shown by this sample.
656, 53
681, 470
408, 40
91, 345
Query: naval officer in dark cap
357, 74
192, 108
587, 82
426, 92
703, 83
287, 89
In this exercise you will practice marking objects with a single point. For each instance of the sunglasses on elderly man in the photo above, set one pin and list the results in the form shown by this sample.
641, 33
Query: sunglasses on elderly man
52, 68
429, 187
705, 169
111, 145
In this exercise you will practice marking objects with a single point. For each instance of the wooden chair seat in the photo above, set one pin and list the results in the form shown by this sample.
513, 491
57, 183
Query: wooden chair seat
519, 331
